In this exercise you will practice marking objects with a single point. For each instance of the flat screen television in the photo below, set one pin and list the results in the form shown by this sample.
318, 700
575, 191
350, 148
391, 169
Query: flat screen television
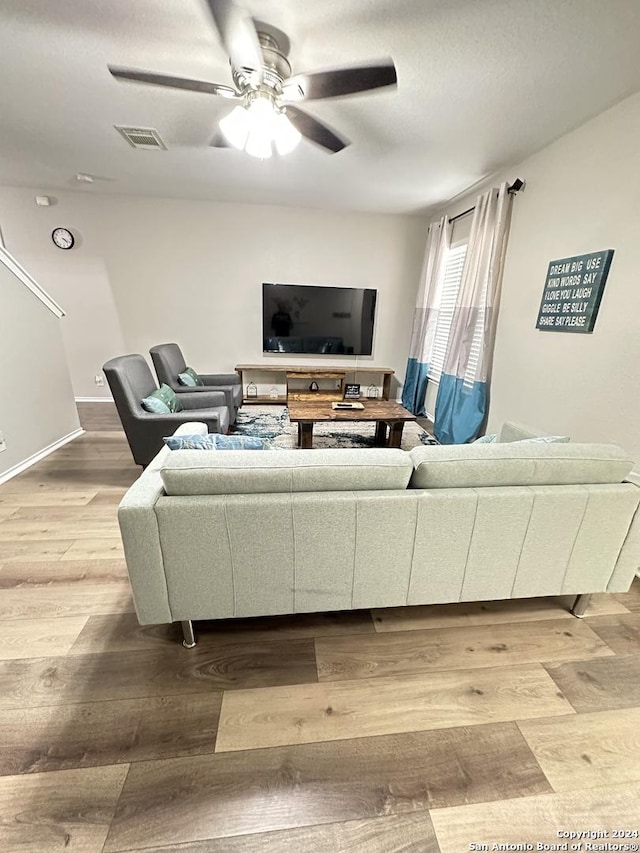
308, 318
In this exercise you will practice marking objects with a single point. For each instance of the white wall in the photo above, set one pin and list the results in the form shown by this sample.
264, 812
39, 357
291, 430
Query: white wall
91, 329
582, 195
36, 399
192, 272
78, 279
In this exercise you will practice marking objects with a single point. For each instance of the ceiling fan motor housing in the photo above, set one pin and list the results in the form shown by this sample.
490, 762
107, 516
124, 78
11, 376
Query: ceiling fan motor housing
275, 69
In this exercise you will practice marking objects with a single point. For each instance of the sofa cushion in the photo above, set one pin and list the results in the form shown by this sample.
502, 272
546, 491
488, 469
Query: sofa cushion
516, 432
215, 441
202, 472
517, 464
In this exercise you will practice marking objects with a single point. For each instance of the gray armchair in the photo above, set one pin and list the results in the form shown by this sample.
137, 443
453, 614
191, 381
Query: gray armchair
169, 362
130, 380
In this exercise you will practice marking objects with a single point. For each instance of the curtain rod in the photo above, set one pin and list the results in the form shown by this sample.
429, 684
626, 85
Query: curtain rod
453, 219
515, 187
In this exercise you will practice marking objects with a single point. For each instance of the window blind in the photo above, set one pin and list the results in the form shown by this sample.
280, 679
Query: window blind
471, 373
445, 304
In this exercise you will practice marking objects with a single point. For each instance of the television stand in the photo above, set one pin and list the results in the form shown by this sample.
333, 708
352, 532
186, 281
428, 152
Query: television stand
293, 381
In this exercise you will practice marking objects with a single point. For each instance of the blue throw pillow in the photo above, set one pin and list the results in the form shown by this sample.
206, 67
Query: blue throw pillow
191, 373
215, 441
163, 401
155, 404
543, 439
487, 439
187, 379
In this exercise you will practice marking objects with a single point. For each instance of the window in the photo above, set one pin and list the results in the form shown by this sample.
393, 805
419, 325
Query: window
445, 304
471, 373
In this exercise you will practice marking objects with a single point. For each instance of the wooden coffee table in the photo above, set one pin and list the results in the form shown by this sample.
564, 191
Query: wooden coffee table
386, 414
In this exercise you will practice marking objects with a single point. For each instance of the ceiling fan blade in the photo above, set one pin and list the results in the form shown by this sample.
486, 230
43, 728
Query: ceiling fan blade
173, 82
238, 35
315, 130
335, 82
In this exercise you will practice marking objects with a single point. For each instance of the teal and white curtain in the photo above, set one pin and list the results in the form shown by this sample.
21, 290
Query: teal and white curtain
425, 317
462, 399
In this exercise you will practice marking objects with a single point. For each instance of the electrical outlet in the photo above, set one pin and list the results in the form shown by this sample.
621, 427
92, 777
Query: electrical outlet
99, 380
3, 443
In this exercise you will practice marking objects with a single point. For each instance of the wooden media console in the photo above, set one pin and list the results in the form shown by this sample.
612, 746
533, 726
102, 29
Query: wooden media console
293, 381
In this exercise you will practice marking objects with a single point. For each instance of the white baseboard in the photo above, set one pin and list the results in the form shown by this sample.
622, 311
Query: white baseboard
94, 399
41, 454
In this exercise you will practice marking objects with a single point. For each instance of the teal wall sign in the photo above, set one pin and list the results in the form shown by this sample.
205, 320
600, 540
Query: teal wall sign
573, 291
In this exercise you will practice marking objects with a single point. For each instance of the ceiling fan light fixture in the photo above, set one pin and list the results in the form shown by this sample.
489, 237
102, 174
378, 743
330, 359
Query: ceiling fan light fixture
261, 115
286, 137
258, 145
257, 127
235, 127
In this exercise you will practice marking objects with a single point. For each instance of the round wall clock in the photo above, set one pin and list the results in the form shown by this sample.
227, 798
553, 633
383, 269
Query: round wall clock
63, 238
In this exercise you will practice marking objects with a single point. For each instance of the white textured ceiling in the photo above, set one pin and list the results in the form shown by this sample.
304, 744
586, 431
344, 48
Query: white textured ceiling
481, 84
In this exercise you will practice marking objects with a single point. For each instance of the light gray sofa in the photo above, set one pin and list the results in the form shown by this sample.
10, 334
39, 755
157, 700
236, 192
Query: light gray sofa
222, 534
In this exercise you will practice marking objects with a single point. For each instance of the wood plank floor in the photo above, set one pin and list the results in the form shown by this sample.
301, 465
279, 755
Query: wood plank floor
407, 730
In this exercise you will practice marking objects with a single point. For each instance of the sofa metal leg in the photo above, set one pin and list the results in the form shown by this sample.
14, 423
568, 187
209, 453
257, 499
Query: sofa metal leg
187, 631
580, 605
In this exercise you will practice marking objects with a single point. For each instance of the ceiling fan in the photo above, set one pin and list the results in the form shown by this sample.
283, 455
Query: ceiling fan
266, 92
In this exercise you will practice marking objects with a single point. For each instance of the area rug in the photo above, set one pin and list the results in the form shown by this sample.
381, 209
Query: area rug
273, 424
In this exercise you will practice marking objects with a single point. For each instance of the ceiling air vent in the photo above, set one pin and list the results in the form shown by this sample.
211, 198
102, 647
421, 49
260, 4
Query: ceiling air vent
141, 137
